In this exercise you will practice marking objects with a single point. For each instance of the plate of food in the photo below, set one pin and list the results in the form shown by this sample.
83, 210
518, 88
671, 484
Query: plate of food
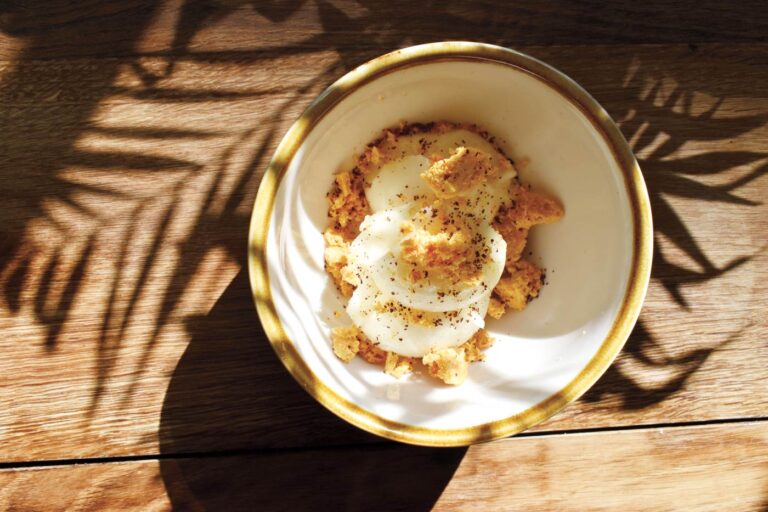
451, 244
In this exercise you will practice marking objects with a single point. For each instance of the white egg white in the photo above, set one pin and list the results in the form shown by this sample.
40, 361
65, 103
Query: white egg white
379, 236
394, 332
397, 182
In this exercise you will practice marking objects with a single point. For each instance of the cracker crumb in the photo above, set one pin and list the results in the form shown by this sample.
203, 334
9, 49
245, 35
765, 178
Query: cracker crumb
345, 343
448, 364
515, 237
348, 205
336, 259
370, 352
526, 210
530, 208
446, 254
465, 169
397, 366
496, 308
519, 285
440, 246
474, 346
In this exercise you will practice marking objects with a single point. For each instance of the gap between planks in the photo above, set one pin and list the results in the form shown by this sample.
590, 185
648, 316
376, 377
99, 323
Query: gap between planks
4, 466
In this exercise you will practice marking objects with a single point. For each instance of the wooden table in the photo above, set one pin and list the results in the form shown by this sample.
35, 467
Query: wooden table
134, 373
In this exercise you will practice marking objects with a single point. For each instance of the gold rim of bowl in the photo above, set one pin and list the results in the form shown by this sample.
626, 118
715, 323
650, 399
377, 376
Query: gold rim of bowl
622, 325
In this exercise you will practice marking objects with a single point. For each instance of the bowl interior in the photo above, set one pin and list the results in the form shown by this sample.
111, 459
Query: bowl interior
587, 255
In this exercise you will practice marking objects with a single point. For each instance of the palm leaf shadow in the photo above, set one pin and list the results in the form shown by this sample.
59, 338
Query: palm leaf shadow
37, 140
211, 216
668, 176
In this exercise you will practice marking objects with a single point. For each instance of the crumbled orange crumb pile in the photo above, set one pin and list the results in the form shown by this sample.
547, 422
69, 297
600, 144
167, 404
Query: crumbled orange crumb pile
522, 279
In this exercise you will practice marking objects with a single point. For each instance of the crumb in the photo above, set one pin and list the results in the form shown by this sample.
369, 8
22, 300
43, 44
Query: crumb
465, 169
449, 365
514, 221
336, 252
348, 204
440, 246
519, 285
446, 254
515, 237
495, 308
370, 352
482, 340
530, 208
473, 348
345, 343
397, 366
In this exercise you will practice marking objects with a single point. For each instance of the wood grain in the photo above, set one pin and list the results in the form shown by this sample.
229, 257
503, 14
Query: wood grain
703, 469
116, 486
53, 29
126, 182
680, 468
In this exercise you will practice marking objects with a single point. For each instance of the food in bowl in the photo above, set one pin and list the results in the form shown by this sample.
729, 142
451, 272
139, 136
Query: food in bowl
426, 238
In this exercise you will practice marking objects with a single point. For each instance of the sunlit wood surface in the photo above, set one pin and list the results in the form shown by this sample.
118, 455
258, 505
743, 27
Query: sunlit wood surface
134, 372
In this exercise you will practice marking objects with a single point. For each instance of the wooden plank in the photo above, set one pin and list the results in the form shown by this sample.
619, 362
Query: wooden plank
116, 486
126, 188
711, 468
717, 467
129, 27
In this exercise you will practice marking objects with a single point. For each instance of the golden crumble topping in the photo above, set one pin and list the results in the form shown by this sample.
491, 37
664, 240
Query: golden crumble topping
398, 366
519, 285
450, 365
387, 148
370, 352
515, 237
345, 343
336, 251
440, 248
474, 347
495, 308
445, 255
530, 208
462, 171
348, 205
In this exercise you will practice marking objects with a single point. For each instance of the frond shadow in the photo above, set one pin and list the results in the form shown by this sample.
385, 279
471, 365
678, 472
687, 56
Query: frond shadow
669, 176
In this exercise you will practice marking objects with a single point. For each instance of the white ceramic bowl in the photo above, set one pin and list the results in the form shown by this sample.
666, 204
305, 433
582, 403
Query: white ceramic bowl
597, 257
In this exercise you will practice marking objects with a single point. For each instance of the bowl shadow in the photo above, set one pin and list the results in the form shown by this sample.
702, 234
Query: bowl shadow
229, 408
